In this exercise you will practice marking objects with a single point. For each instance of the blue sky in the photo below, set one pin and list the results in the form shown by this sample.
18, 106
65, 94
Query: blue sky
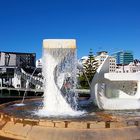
110, 25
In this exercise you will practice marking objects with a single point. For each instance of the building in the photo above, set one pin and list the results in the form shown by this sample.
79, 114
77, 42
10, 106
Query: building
16, 59
123, 57
83, 59
131, 68
39, 63
17, 69
112, 64
101, 56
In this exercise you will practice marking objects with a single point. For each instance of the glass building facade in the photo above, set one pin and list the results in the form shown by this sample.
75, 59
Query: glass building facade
123, 57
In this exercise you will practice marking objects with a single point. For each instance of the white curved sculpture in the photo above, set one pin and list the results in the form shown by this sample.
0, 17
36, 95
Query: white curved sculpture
115, 91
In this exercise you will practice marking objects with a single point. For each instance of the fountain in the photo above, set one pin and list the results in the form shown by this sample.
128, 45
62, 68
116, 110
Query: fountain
59, 70
58, 116
25, 92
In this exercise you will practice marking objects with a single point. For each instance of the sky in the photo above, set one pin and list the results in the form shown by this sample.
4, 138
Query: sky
110, 25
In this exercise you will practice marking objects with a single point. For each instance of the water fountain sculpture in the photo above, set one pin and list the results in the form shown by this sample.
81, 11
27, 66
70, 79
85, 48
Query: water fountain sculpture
59, 71
59, 118
115, 91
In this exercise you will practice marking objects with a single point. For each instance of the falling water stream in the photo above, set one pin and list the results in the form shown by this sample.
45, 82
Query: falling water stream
59, 70
27, 87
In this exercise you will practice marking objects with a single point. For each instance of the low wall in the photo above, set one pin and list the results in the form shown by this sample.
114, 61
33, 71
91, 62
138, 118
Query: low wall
30, 129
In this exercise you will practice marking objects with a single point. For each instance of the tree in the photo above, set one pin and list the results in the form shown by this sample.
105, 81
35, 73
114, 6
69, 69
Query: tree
89, 69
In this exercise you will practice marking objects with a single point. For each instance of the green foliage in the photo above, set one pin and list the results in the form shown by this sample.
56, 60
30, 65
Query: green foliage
89, 68
83, 82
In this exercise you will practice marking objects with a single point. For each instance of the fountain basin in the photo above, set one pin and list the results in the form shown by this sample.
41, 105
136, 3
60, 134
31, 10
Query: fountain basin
100, 125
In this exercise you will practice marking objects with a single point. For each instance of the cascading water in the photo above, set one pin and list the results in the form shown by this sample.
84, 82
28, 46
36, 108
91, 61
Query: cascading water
59, 71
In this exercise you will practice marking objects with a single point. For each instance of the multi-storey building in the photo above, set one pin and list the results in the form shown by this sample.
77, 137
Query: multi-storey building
14, 59
123, 57
17, 68
101, 56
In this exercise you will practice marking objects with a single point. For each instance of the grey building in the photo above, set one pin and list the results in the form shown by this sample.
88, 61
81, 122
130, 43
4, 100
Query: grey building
16, 69
16, 59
